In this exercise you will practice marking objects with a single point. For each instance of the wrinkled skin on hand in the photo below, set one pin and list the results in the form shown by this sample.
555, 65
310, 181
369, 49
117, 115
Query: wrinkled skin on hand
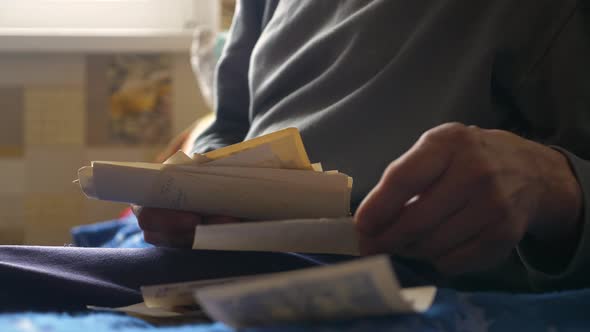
463, 197
170, 228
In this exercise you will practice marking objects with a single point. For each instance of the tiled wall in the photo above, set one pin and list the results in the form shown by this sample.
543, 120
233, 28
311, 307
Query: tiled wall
43, 142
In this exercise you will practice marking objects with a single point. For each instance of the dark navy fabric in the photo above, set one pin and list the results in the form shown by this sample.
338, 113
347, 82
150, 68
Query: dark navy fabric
50, 278
71, 277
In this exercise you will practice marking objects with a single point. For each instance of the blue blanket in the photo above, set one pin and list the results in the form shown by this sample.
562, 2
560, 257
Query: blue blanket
452, 311
118, 233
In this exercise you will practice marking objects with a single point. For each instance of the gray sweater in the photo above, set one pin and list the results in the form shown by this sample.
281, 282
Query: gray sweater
363, 79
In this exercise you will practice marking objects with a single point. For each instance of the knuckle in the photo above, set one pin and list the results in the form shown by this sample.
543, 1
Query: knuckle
390, 179
499, 203
453, 127
430, 136
449, 133
484, 171
391, 168
486, 178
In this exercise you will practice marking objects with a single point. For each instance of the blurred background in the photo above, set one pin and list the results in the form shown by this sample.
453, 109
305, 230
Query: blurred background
84, 80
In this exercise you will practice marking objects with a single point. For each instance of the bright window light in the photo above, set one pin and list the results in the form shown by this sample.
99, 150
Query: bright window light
82, 15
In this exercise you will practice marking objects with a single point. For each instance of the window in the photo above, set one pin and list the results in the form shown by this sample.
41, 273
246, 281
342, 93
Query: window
99, 14
26, 24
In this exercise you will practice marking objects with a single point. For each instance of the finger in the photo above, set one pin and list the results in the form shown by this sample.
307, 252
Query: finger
214, 220
405, 178
167, 221
478, 253
451, 233
450, 194
173, 240
366, 245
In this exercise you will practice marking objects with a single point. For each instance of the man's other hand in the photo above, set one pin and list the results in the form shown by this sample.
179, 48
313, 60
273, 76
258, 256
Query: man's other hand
462, 198
170, 228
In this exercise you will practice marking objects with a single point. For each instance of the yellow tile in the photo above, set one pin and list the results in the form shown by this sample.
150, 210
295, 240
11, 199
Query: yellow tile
54, 205
55, 112
12, 122
12, 178
11, 151
56, 236
49, 217
11, 219
10, 234
51, 169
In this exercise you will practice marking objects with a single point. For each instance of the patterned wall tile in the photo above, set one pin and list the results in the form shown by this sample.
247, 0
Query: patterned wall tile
37, 197
129, 99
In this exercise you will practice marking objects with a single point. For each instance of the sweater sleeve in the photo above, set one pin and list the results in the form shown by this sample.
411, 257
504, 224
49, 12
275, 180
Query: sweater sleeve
555, 101
548, 272
232, 98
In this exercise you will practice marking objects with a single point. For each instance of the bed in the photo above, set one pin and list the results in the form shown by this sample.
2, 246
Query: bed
452, 310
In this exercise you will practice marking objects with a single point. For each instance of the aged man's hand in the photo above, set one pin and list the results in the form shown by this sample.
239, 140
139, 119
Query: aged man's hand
170, 228
462, 198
